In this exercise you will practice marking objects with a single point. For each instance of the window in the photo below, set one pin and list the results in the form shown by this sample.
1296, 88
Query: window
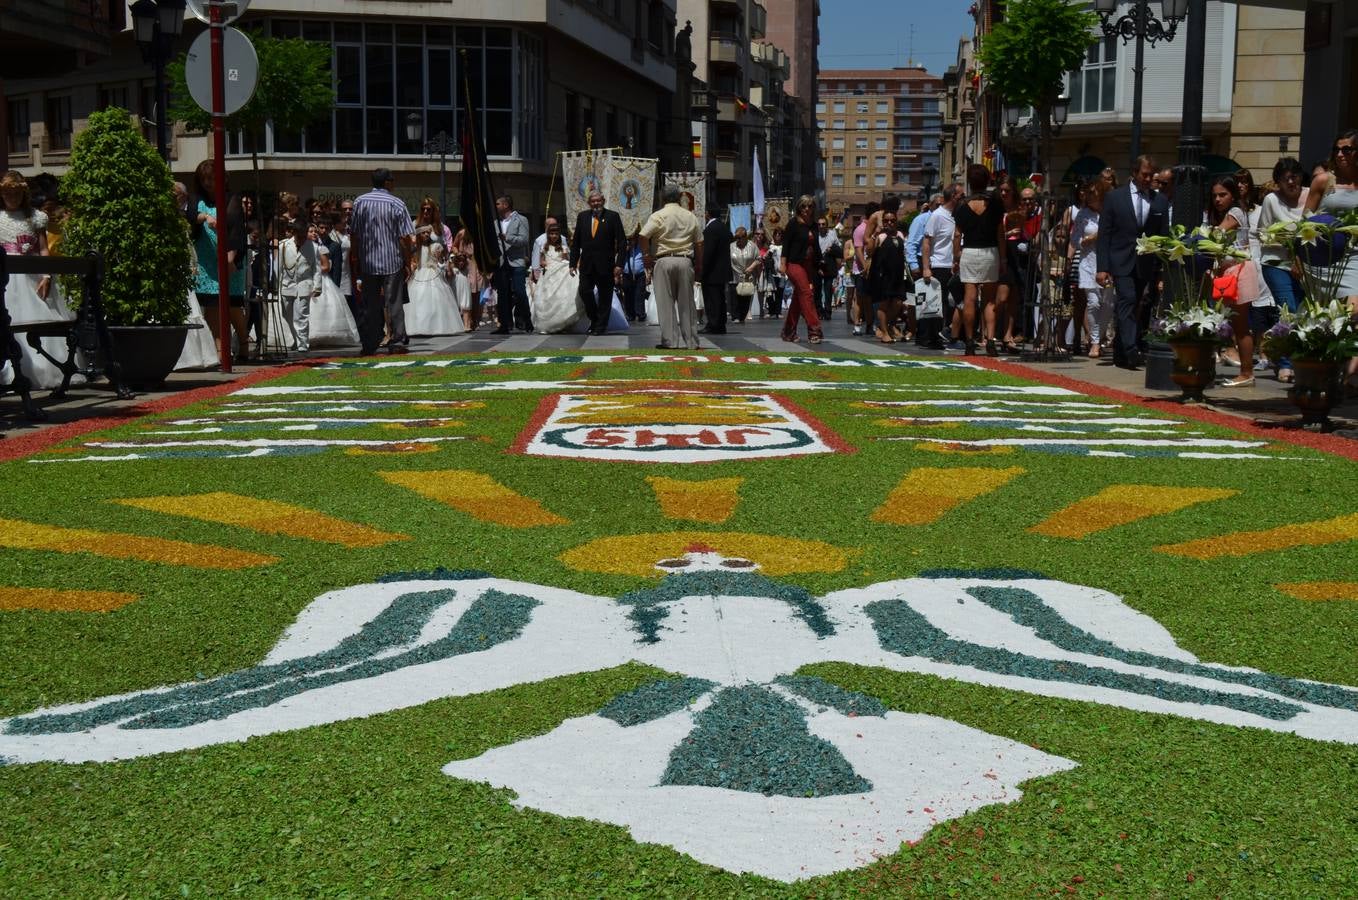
114, 95
839, 106
820, 108
861, 124
860, 161
1094, 88
384, 73
881, 87
881, 106
879, 180
18, 126
860, 180
837, 160
862, 106
860, 143
879, 162
59, 123
820, 123
837, 181
883, 124
881, 143
837, 143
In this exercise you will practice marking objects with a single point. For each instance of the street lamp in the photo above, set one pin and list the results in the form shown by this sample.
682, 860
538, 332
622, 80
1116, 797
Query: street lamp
439, 144
157, 24
1139, 24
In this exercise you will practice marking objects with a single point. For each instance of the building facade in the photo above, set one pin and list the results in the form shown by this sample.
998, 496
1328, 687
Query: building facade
1330, 103
881, 132
542, 73
794, 25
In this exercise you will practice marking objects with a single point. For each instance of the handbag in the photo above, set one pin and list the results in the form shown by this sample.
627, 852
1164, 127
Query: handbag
1226, 286
745, 289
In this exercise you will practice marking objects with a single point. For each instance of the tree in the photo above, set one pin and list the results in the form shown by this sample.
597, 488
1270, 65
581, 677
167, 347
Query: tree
294, 91
121, 203
1026, 56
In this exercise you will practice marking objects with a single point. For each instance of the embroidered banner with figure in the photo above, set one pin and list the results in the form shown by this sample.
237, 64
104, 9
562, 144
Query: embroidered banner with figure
629, 188
777, 212
741, 217
583, 171
692, 191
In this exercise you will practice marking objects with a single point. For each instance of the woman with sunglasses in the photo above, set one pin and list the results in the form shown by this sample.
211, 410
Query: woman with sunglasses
1336, 193
431, 306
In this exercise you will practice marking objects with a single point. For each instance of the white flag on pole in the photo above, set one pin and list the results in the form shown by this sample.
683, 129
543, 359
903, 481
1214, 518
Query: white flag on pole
758, 185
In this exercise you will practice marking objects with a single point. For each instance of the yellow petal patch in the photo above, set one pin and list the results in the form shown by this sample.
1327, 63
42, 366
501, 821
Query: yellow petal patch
1119, 504
713, 500
1321, 590
266, 516
1243, 543
925, 494
637, 554
12, 598
477, 495
21, 535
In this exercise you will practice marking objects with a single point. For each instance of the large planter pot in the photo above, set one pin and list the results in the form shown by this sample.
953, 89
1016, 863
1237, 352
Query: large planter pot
1318, 385
146, 354
1195, 367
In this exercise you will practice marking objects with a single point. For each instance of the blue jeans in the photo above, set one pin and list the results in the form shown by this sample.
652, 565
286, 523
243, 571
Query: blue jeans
1286, 290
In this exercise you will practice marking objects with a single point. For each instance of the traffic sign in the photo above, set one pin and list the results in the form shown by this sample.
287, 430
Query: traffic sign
240, 70
230, 11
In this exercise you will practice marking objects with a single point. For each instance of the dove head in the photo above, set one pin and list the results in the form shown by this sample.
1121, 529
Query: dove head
702, 558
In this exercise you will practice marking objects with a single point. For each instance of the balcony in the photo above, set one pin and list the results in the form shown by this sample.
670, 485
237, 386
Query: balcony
725, 50
729, 109
758, 19
726, 166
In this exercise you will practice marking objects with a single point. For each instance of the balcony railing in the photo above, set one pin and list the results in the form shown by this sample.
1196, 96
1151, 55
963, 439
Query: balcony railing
726, 49
758, 19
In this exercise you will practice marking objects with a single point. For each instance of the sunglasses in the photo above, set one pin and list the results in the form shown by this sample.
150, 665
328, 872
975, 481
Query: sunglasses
1346, 151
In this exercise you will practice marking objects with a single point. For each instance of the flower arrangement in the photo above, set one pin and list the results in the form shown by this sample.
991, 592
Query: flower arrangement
1194, 320
1320, 331
1323, 247
1190, 258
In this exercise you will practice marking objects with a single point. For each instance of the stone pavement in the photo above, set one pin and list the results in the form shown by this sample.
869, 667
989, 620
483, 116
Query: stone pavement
1266, 400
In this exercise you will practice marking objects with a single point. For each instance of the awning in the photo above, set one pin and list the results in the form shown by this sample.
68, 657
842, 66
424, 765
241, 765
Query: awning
1220, 165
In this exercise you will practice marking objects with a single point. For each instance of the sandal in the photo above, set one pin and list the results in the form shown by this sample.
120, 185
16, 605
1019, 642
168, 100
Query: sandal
1237, 382
1286, 375
814, 339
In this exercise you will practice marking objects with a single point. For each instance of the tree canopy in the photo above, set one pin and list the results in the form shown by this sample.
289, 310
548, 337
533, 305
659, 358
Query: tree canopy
294, 88
1027, 55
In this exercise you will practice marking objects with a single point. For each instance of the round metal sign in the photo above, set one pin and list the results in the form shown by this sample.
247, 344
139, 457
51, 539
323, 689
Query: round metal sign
240, 70
230, 11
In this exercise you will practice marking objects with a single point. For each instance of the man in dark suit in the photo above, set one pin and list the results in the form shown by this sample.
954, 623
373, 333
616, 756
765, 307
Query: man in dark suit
598, 246
716, 278
1129, 213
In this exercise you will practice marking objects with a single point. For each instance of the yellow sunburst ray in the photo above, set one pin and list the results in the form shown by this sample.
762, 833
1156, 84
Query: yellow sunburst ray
21, 535
1244, 543
266, 516
478, 495
925, 494
1122, 504
713, 500
1320, 590
53, 600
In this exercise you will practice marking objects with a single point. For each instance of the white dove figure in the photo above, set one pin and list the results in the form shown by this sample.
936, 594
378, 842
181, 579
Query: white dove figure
720, 762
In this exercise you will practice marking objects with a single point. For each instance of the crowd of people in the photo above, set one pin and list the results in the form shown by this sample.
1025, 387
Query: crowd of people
957, 274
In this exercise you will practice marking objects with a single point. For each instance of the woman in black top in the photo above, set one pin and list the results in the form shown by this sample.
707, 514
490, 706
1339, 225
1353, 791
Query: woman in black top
800, 263
890, 278
976, 255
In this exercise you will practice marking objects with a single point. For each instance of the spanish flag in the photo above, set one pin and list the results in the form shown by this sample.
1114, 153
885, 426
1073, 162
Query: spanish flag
744, 107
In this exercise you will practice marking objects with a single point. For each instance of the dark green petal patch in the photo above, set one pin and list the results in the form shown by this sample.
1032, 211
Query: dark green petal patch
818, 690
652, 701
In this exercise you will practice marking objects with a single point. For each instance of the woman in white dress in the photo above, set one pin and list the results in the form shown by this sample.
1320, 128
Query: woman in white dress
332, 325
30, 298
432, 306
556, 303
1092, 307
200, 351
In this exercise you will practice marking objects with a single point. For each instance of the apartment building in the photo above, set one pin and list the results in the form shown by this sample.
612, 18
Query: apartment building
794, 25
543, 73
880, 132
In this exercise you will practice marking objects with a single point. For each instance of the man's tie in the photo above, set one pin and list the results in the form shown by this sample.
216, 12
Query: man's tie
594, 226
1142, 207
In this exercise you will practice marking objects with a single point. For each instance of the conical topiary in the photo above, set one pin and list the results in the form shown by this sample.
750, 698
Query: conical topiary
121, 201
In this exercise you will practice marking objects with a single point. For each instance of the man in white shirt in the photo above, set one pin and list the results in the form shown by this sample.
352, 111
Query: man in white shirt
831, 253
936, 251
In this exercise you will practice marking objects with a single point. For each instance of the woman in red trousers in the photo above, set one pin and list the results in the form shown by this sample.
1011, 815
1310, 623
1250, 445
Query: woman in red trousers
800, 263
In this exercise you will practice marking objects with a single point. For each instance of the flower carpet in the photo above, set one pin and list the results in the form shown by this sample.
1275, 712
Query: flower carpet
589, 625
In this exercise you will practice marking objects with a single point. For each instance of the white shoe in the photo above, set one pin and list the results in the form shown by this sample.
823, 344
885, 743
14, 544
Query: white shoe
858, 329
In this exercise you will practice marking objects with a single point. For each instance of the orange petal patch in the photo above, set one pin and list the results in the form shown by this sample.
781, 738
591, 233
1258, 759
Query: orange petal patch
637, 554
713, 500
925, 494
267, 517
477, 495
21, 535
12, 598
1243, 543
1321, 590
1119, 504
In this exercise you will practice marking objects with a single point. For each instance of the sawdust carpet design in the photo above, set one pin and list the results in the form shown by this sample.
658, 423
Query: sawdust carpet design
824, 634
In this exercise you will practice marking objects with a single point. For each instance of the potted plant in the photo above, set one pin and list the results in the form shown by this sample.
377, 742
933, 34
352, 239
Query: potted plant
1194, 327
1322, 334
121, 201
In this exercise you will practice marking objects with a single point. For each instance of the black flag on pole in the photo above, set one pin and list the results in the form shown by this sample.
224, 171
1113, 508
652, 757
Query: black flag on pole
478, 196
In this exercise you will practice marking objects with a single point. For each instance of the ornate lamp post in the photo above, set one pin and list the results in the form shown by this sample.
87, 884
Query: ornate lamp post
1139, 24
1032, 131
440, 145
927, 173
157, 24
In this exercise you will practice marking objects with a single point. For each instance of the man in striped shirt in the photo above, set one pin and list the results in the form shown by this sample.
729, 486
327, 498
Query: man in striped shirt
379, 249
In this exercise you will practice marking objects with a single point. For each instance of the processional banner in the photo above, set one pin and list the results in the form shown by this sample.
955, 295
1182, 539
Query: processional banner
741, 217
692, 187
629, 188
777, 212
584, 171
